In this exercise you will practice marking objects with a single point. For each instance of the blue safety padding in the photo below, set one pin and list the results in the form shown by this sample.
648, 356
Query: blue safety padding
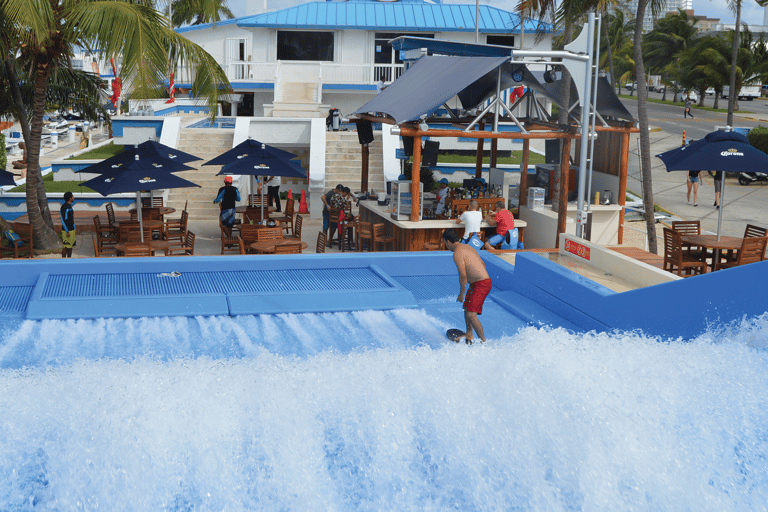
13, 299
323, 301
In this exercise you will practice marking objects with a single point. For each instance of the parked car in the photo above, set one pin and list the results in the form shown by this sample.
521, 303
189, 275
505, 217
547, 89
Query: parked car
682, 95
710, 91
660, 87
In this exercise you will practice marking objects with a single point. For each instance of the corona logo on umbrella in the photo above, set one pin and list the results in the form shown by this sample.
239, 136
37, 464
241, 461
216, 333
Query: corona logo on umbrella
117, 166
261, 167
157, 166
147, 179
732, 152
109, 180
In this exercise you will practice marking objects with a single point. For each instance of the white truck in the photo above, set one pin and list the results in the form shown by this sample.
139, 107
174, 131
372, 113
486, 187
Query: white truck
747, 92
654, 82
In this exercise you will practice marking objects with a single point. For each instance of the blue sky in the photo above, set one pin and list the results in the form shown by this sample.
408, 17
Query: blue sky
751, 12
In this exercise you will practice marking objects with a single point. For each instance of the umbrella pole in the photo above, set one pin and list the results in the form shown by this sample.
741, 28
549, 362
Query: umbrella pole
720, 210
261, 181
141, 217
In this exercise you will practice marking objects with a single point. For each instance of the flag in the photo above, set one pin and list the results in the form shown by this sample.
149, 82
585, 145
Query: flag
173, 91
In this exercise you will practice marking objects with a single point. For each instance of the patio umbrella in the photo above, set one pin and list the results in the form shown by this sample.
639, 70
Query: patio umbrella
128, 157
135, 176
151, 148
254, 158
717, 151
6, 178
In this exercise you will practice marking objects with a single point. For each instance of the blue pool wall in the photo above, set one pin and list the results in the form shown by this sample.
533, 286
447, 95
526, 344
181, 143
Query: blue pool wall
535, 290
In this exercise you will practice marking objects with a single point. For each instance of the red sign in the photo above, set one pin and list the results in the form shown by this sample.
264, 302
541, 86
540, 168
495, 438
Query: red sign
582, 251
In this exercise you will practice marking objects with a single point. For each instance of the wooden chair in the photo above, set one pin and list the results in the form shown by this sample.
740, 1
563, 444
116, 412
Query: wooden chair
229, 243
690, 227
297, 225
380, 236
105, 236
363, 232
185, 248
135, 249
269, 234
96, 252
286, 220
27, 250
249, 234
340, 228
110, 214
320, 247
751, 231
752, 250
676, 259
130, 231
176, 229
253, 215
288, 247
435, 246
152, 202
257, 200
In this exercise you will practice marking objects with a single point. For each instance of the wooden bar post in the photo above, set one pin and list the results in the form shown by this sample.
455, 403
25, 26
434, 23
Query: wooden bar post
494, 152
416, 179
623, 170
562, 199
479, 160
364, 170
523, 192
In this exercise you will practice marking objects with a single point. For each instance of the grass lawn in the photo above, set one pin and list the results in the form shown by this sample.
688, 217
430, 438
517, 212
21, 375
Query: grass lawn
100, 153
55, 187
516, 158
693, 105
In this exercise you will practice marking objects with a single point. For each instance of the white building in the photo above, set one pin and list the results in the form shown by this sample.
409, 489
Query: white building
670, 6
301, 60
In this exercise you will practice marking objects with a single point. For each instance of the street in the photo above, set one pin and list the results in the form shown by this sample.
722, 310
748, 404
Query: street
742, 205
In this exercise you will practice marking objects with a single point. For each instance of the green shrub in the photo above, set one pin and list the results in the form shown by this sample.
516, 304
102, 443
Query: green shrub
3, 156
758, 137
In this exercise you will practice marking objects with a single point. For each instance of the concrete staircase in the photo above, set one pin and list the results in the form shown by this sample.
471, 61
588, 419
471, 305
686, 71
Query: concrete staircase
343, 161
207, 144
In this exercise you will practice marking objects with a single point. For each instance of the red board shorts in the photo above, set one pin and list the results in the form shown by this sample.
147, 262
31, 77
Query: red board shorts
476, 295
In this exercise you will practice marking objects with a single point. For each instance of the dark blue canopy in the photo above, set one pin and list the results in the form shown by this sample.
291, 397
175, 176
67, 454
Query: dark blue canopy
146, 156
6, 178
717, 151
138, 175
252, 148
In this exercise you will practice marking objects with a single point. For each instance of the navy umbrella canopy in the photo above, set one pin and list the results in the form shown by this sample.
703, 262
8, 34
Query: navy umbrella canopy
128, 158
717, 151
151, 148
6, 178
135, 176
250, 147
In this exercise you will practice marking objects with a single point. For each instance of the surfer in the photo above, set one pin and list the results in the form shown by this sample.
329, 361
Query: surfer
471, 270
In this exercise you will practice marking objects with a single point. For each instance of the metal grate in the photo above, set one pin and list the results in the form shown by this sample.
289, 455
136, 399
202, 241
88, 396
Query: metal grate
14, 299
430, 287
146, 284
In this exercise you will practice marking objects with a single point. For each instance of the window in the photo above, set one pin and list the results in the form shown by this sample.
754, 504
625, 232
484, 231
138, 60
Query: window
501, 40
305, 46
383, 52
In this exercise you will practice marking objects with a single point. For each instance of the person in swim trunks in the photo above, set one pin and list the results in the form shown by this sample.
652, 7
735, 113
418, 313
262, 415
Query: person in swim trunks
228, 197
471, 270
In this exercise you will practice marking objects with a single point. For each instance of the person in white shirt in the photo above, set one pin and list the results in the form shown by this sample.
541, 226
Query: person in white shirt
273, 190
442, 194
471, 218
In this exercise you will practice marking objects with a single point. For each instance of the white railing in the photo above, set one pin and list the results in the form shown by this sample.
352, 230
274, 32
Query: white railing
387, 73
326, 72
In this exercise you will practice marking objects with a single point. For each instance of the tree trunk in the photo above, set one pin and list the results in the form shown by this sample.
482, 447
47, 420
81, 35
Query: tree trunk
717, 100
37, 203
608, 44
645, 138
734, 55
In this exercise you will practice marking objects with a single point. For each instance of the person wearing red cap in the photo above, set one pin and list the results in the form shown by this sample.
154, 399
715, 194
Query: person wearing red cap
228, 196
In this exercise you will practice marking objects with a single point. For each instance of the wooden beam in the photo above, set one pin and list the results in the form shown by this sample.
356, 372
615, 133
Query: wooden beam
364, 170
479, 156
494, 152
416, 178
623, 171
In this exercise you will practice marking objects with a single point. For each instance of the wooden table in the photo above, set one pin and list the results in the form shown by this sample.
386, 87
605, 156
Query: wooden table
268, 209
154, 245
267, 246
726, 243
164, 210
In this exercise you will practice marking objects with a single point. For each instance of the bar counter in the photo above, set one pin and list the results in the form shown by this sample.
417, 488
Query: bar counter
412, 236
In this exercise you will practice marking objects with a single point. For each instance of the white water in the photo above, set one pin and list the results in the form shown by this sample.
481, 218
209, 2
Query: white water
375, 411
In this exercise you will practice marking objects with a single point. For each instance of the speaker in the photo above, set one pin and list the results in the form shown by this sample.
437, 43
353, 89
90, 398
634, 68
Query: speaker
364, 132
552, 151
408, 145
429, 155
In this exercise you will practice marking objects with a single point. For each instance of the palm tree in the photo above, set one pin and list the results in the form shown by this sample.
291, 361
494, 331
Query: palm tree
616, 50
706, 64
197, 12
735, 6
43, 33
663, 46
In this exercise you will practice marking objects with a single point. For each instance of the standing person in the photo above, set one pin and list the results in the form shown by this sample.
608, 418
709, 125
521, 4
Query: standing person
68, 232
228, 196
326, 199
471, 218
687, 108
442, 194
693, 184
503, 220
718, 175
471, 270
273, 190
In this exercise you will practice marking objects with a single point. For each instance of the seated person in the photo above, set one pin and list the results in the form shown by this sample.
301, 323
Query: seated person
503, 220
472, 218
21, 164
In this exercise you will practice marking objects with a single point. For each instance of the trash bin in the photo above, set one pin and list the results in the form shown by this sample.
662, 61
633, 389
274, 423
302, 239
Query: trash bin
72, 134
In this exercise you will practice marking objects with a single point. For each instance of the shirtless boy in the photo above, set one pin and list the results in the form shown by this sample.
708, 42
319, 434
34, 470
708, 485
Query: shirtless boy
471, 270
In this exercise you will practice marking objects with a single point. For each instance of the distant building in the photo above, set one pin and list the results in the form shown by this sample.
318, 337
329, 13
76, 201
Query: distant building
671, 6
299, 60
704, 25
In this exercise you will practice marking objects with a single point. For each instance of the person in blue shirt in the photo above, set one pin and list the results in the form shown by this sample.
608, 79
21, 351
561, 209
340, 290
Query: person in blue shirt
68, 233
228, 196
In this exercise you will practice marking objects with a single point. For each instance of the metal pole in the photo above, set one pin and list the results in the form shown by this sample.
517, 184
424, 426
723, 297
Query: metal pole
477, 21
592, 134
581, 216
498, 101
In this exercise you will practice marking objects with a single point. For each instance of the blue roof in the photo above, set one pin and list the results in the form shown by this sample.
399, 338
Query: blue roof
403, 15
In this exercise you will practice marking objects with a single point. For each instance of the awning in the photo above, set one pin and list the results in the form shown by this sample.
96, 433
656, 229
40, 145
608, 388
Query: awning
608, 104
428, 84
